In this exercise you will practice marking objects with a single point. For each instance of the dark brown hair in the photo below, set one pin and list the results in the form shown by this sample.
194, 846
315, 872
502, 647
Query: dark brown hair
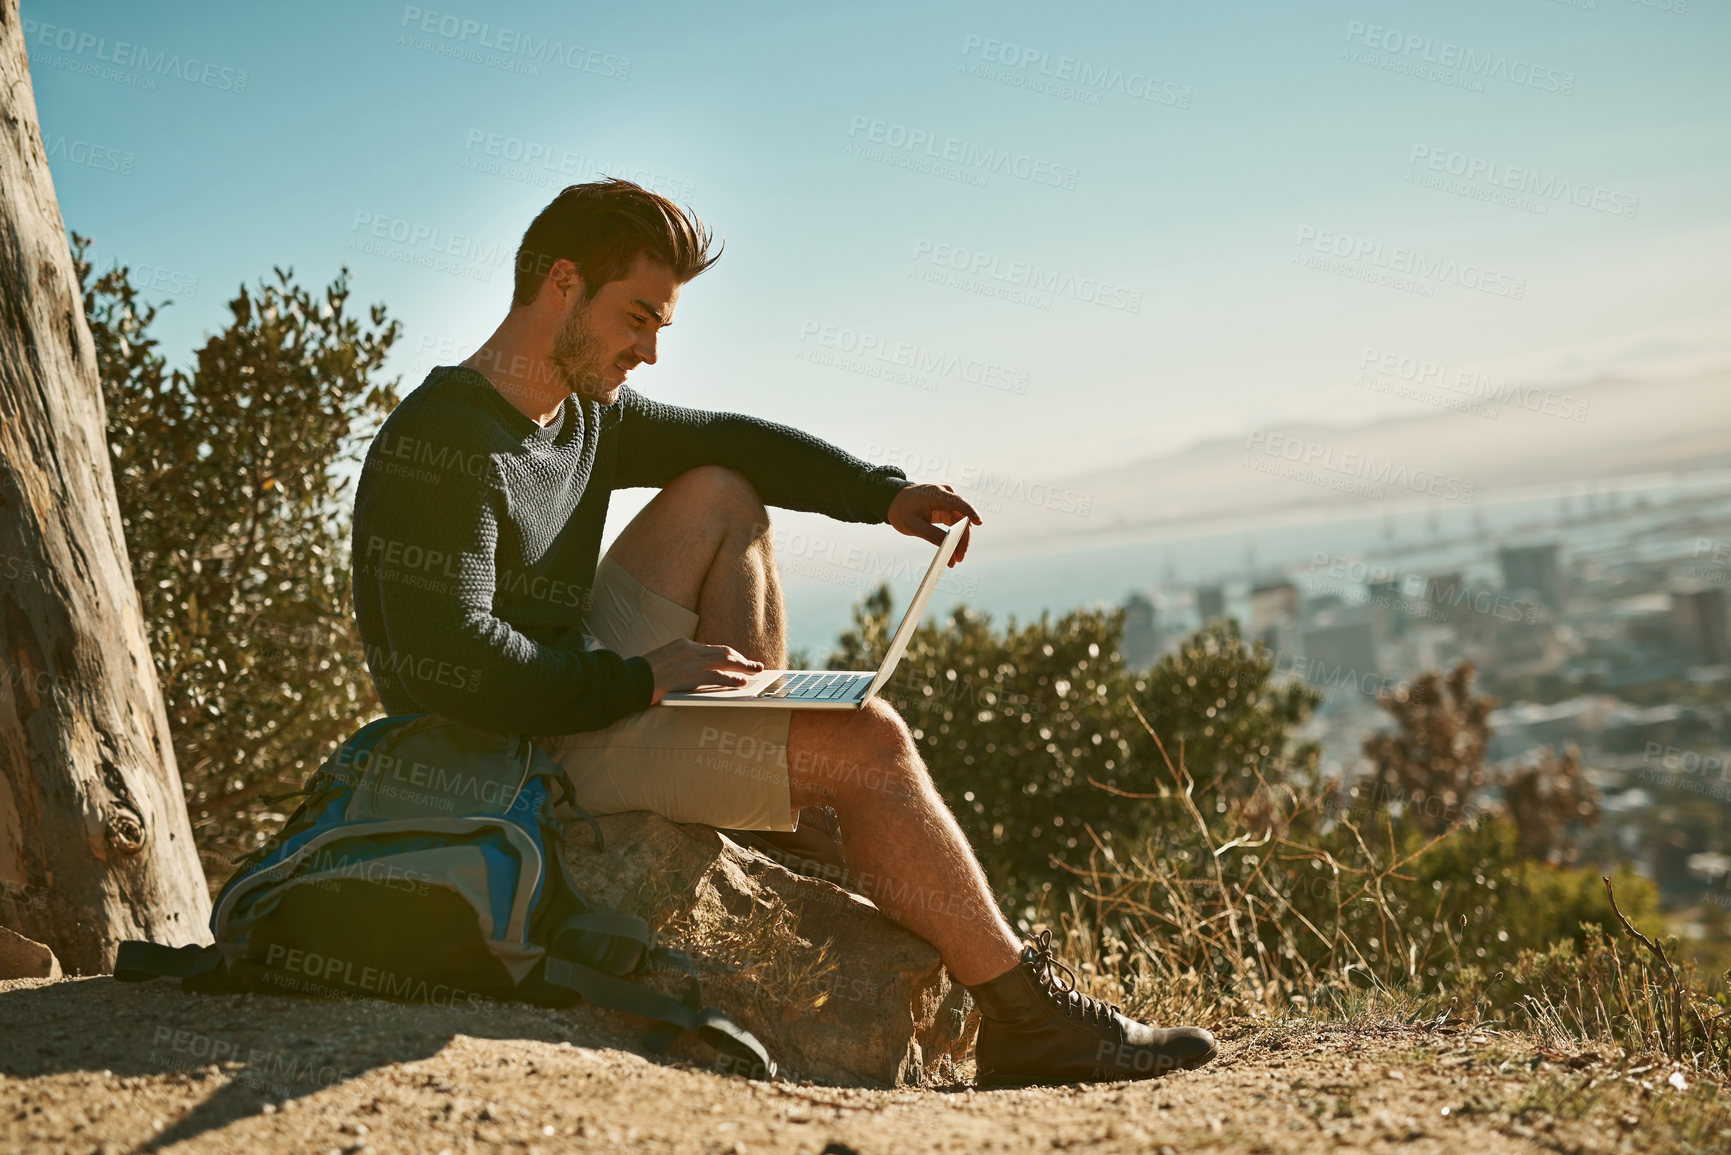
601, 227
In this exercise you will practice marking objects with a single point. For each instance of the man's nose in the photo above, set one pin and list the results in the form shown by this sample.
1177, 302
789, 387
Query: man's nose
645, 348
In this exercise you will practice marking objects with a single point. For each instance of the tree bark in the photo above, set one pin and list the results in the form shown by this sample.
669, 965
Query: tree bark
95, 842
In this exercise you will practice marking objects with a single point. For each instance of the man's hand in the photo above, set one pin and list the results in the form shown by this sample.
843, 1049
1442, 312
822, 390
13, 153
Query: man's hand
918, 511
686, 665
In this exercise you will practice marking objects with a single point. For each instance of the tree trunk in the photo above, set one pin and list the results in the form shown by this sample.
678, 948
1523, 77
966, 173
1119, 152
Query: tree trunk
95, 843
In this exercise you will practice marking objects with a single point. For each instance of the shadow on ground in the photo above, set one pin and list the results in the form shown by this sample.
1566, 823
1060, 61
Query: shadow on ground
274, 1049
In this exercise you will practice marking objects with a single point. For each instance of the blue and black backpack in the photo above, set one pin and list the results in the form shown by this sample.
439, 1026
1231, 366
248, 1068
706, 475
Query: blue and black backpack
424, 866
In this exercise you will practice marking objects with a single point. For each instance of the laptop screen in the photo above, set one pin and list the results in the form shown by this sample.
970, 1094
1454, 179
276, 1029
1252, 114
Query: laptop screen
917, 607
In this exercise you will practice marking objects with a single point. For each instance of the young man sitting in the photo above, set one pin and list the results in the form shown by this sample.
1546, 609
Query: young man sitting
481, 596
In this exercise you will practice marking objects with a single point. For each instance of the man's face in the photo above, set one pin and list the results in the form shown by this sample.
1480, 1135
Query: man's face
601, 340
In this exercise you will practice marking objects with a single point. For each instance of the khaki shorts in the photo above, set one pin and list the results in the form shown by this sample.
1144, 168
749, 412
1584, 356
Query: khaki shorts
711, 764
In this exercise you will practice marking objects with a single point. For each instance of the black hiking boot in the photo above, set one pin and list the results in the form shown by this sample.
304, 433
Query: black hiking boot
1037, 1028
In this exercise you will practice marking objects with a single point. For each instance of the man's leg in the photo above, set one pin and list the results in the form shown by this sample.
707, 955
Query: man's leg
703, 543
902, 843
915, 863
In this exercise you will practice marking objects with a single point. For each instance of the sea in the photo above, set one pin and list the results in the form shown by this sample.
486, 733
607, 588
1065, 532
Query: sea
1679, 516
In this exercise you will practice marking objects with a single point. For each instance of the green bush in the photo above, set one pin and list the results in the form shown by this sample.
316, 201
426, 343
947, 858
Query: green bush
233, 492
1212, 870
1033, 737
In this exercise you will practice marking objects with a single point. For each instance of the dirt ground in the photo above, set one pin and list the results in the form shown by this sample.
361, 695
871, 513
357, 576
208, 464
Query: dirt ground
91, 1065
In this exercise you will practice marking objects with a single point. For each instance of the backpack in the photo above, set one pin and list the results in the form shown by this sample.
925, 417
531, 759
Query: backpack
423, 866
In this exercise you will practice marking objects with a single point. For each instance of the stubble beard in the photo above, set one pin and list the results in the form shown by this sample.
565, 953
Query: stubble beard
576, 357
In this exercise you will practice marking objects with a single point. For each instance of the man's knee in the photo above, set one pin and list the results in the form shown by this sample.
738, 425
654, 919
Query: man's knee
868, 752
724, 491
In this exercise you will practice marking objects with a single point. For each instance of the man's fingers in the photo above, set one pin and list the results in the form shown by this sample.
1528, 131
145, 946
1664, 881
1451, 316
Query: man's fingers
728, 658
949, 501
961, 547
929, 531
960, 504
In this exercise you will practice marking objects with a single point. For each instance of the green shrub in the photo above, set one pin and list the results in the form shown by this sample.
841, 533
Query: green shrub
234, 497
1033, 738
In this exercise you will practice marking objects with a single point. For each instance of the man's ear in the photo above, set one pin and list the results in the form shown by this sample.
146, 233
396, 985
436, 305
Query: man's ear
564, 278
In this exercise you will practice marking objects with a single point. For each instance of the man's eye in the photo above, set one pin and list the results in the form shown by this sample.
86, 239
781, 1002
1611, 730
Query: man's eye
639, 321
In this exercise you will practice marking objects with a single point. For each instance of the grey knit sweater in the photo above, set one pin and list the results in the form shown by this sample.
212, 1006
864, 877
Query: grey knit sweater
476, 540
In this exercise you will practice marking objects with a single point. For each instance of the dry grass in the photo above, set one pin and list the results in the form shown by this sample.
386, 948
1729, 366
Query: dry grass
1308, 932
758, 959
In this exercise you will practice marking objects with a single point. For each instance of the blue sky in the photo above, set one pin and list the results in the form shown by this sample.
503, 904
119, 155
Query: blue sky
1210, 192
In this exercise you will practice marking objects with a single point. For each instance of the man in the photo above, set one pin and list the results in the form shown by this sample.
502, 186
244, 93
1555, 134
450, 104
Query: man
480, 596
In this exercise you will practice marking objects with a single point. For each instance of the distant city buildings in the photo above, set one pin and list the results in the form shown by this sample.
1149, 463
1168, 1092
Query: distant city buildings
1274, 613
1533, 570
1597, 639
1141, 644
1699, 614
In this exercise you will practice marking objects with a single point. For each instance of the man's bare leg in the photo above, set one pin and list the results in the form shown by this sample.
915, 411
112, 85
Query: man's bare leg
703, 543
902, 842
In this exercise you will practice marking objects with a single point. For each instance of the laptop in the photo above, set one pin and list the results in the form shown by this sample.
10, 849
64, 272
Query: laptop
829, 689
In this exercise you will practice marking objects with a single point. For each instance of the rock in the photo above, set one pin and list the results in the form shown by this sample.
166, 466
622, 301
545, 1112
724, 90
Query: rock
24, 958
836, 991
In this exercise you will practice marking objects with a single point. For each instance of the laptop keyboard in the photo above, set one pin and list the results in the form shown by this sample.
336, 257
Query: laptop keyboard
818, 687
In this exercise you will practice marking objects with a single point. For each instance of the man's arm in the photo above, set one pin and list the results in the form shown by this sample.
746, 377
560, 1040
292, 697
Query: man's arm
790, 469
428, 550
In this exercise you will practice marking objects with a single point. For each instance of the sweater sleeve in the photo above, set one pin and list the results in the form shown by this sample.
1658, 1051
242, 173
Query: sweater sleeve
790, 469
424, 544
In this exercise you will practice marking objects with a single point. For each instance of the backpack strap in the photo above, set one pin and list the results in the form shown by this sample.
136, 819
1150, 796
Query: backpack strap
740, 1051
136, 961
608, 940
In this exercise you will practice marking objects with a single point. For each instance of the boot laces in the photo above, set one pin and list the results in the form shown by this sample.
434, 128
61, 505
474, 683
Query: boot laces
1060, 982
